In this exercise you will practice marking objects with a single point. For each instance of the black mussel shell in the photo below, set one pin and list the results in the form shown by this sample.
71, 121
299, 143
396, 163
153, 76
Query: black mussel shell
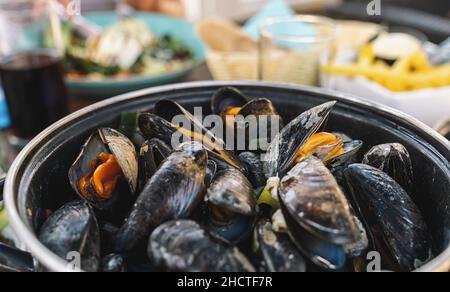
184, 246
227, 97
232, 191
90, 150
173, 192
276, 251
237, 229
125, 153
338, 164
255, 169
283, 150
322, 253
344, 137
259, 107
211, 171
108, 233
113, 263
74, 229
15, 260
168, 110
314, 200
317, 213
160, 126
152, 153
394, 160
153, 126
106, 140
231, 206
261, 122
387, 209
351, 149
359, 247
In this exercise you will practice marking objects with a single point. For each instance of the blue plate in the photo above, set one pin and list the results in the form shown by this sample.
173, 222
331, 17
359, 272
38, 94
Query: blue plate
160, 25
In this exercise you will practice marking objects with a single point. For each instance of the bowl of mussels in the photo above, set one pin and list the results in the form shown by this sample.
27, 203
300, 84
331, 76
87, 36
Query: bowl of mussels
141, 183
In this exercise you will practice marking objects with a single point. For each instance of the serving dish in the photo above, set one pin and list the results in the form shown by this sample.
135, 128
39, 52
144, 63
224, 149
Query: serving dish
51, 153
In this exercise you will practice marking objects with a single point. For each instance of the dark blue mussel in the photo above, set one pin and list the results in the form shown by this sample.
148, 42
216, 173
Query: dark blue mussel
275, 251
394, 160
231, 205
184, 246
395, 222
227, 98
113, 263
257, 118
173, 192
255, 169
160, 126
74, 229
211, 171
317, 213
152, 153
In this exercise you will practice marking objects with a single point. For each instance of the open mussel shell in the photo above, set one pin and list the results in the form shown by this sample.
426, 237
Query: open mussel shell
184, 246
261, 122
344, 137
160, 126
173, 192
225, 98
110, 141
124, 151
338, 164
313, 198
351, 149
322, 253
283, 149
232, 205
152, 153
387, 208
259, 107
276, 251
73, 231
317, 213
394, 160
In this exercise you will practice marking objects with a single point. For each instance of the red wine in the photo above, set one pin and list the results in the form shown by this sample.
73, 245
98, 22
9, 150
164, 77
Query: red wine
35, 90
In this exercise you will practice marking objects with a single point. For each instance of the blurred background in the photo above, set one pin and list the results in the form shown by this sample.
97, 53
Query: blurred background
240, 9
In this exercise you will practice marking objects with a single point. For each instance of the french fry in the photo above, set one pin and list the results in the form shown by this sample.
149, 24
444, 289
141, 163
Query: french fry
395, 80
413, 72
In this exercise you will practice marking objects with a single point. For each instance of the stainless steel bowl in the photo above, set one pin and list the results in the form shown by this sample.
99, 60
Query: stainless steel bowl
38, 178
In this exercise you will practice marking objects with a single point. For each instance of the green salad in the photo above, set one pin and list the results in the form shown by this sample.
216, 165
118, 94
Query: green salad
123, 50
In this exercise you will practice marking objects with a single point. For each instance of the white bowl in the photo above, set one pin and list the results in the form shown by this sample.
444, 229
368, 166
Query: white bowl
428, 105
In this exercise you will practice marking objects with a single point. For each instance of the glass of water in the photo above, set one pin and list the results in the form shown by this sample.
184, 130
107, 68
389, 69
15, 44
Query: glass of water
292, 49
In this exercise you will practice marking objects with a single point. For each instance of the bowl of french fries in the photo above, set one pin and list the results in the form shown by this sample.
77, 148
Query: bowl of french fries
395, 70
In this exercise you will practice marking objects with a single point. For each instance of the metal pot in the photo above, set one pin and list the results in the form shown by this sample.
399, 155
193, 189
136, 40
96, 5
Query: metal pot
38, 178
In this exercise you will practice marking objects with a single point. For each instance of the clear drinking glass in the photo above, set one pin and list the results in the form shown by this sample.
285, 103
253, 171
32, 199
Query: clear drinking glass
292, 49
31, 66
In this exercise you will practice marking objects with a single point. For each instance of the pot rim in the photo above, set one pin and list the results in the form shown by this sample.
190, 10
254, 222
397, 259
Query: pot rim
50, 260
